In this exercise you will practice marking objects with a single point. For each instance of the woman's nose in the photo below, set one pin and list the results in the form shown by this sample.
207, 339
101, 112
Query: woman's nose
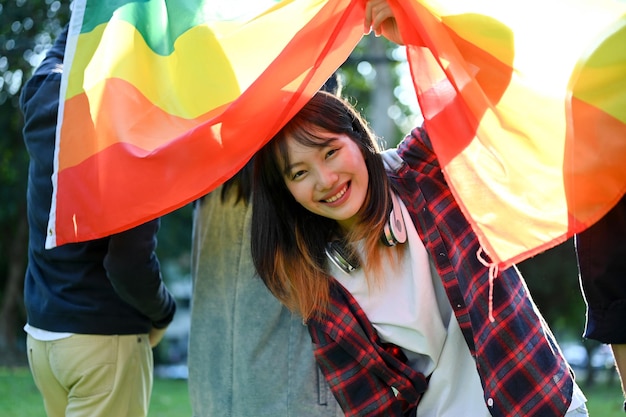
326, 178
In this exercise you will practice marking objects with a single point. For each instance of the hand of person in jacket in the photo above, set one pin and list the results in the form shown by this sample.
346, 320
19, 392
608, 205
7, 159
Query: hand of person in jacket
380, 18
156, 335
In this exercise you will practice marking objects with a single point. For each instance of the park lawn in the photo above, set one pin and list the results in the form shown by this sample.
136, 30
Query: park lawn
19, 397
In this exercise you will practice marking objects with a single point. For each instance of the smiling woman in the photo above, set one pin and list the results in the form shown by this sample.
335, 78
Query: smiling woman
395, 322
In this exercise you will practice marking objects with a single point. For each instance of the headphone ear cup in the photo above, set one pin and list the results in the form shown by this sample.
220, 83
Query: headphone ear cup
398, 229
394, 231
387, 238
341, 257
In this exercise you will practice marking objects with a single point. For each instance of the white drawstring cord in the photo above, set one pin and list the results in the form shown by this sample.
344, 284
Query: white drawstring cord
493, 272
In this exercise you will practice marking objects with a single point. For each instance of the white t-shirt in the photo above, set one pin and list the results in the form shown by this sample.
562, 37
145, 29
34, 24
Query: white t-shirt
45, 335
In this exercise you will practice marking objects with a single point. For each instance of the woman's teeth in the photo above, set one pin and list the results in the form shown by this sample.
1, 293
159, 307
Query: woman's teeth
338, 195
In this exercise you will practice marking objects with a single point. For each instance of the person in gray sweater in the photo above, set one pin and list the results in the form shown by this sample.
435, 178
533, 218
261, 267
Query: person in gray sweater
248, 355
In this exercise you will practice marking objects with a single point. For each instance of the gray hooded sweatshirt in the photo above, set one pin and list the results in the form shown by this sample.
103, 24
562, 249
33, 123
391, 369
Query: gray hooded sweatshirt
248, 355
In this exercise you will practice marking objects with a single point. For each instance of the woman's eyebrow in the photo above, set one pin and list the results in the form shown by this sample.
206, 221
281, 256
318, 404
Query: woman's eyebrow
290, 167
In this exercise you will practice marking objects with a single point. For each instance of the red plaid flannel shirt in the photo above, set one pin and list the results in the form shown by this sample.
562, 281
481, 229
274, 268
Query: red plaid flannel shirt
521, 368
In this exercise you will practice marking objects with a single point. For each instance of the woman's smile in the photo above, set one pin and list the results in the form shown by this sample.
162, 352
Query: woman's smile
337, 197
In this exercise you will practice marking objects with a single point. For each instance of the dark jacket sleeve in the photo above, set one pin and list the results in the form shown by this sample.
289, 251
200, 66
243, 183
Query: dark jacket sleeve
134, 271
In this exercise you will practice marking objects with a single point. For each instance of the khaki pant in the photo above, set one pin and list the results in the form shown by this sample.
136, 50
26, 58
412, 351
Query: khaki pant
93, 375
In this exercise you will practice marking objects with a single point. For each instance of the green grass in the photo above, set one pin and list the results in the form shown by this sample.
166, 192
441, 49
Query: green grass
605, 400
19, 397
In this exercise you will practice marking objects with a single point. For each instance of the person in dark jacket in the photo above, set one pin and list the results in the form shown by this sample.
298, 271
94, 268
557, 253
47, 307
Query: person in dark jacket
94, 309
601, 254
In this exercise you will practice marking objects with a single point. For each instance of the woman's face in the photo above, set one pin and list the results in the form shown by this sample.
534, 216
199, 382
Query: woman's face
331, 180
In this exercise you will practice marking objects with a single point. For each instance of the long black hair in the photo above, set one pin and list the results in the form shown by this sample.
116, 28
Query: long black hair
288, 241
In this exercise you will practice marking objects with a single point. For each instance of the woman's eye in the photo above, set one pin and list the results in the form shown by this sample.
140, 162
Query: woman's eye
331, 153
297, 175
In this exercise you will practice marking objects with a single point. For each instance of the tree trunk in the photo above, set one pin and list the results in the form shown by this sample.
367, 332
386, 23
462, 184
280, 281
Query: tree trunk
13, 300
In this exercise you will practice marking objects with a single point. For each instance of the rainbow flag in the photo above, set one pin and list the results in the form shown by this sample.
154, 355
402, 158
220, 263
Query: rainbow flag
164, 100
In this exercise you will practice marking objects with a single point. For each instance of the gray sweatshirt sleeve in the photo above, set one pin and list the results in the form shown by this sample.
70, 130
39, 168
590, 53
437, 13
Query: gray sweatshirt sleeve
134, 271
